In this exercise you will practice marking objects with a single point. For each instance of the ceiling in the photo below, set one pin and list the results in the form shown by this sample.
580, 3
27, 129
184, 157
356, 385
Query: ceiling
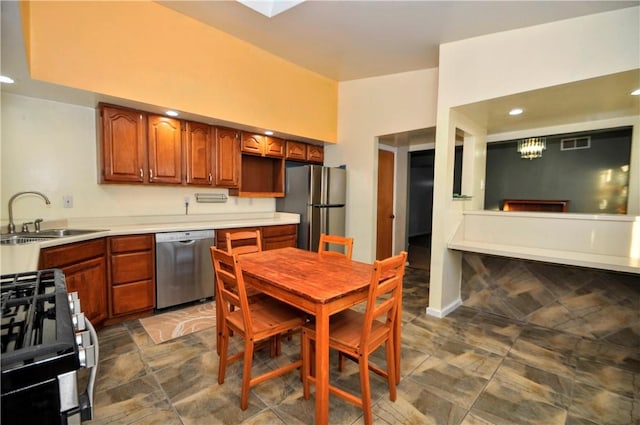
346, 40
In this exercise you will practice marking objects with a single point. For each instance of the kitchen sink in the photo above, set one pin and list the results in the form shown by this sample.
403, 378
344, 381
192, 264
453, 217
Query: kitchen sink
59, 233
43, 235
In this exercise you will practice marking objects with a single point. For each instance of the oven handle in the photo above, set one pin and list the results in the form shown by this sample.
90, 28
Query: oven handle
86, 398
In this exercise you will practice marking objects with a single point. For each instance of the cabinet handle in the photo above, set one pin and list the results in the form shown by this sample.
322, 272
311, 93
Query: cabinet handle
150, 175
210, 178
141, 175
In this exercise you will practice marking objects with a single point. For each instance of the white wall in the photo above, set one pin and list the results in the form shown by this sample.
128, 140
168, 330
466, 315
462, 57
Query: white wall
51, 147
503, 64
369, 108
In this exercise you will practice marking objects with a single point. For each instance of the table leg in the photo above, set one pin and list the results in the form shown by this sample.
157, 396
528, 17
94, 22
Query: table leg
322, 365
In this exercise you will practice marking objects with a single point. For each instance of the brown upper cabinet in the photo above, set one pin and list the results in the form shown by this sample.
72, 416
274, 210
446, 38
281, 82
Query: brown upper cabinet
123, 145
213, 155
257, 144
296, 151
199, 154
139, 148
300, 151
164, 150
227, 157
315, 154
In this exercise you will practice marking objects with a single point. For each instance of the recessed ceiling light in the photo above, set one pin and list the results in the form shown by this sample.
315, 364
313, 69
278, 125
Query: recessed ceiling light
636, 92
172, 113
6, 80
516, 111
269, 133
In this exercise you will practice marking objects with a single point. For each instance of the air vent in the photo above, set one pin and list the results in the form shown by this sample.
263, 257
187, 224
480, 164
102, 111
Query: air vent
575, 143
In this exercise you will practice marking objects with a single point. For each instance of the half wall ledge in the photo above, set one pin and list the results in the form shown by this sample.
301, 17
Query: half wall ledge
606, 242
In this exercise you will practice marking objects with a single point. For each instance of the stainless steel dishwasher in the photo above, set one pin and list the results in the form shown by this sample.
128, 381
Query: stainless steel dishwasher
184, 271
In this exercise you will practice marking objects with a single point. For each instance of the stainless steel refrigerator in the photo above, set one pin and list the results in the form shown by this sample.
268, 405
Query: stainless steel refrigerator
318, 194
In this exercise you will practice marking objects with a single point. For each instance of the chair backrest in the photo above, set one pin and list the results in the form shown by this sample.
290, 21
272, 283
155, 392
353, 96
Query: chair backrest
385, 293
230, 286
244, 242
328, 241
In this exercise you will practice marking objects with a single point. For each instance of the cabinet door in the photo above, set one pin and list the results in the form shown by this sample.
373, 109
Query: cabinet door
87, 278
252, 143
84, 267
227, 157
123, 147
315, 154
274, 147
199, 161
165, 150
296, 151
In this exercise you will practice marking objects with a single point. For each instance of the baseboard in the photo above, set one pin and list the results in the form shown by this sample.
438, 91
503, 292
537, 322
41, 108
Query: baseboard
445, 311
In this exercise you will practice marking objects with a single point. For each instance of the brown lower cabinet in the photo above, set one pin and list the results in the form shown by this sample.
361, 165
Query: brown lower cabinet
273, 237
131, 277
115, 276
84, 267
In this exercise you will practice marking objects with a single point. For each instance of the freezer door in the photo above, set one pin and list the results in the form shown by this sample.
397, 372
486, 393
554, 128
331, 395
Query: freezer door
328, 185
336, 186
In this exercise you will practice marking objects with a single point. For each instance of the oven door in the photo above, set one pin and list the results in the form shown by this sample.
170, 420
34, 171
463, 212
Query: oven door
54, 401
57, 401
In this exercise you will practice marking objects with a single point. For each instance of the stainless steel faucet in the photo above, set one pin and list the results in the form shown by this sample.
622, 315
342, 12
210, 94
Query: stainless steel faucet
12, 226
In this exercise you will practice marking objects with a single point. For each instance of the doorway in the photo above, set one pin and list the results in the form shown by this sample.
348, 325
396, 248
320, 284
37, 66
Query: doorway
421, 167
420, 205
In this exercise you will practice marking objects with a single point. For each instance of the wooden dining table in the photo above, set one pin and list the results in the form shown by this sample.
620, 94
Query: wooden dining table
319, 285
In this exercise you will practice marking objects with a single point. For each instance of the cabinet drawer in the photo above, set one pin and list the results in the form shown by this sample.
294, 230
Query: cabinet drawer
73, 253
280, 242
221, 235
281, 230
130, 243
132, 297
131, 267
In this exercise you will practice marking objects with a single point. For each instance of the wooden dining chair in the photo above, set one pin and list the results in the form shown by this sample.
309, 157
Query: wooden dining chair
357, 335
329, 241
255, 322
244, 242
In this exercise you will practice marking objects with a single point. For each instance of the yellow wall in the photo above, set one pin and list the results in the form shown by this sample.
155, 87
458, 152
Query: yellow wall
148, 53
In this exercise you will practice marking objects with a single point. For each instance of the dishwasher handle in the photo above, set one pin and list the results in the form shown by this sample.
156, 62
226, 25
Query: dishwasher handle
187, 242
184, 236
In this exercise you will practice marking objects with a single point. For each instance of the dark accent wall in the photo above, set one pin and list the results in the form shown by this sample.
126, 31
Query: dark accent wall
594, 180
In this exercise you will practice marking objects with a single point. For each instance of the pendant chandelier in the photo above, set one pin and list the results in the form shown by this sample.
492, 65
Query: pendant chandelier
532, 147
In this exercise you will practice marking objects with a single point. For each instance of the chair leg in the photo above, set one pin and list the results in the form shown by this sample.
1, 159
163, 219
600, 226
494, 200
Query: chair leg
222, 366
306, 364
365, 389
391, 369
340, 361
246, 374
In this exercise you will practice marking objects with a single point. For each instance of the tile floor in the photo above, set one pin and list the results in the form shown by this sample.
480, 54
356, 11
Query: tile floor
495, 360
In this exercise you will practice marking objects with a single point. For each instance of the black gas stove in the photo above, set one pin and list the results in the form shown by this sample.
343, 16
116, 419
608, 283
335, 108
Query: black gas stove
45, 341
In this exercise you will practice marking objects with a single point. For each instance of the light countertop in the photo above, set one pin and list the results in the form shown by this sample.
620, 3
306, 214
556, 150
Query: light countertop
21, 258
